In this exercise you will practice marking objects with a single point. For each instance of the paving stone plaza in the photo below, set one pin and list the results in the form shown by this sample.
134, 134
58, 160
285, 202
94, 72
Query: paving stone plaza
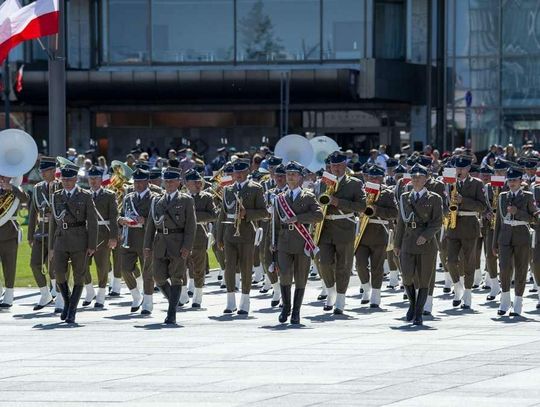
363, 358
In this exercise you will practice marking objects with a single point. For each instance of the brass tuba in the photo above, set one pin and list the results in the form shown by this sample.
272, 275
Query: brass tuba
18, 155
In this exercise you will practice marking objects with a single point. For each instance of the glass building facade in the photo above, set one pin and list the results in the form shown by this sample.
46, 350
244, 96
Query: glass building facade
358, 69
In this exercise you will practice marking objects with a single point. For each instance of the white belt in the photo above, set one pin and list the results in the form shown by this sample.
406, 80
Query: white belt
44, 220
379, 221
231, 216
516, 222
103, 222
337, 217
467, 213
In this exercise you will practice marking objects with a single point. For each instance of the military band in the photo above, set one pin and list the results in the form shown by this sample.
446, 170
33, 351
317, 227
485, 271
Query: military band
153, 228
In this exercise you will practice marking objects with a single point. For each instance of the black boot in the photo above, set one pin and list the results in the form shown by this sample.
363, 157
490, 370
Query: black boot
298, 298
166, 289
286, 298
73, 302
64, 291
173, 303
411, 294
420, 302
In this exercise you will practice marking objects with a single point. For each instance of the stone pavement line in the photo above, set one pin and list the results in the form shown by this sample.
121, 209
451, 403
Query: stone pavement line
368, 358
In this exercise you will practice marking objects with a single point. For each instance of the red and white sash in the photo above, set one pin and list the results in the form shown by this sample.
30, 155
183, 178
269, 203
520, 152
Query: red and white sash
310, 248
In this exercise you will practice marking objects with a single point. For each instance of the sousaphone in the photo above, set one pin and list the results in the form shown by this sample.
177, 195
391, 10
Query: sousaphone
18, 155
294, 147
323, 146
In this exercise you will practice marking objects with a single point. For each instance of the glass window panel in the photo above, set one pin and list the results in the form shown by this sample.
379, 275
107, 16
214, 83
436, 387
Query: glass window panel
390, 24
477, 33
278, 30
521, 27
127, 31
192, 30
480, 76
521, 81
344, 25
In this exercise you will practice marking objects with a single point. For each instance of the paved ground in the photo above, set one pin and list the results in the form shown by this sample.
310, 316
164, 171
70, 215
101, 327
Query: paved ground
364, 358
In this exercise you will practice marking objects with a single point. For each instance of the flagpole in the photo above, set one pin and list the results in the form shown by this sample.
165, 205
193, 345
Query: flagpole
57, 88
7, 88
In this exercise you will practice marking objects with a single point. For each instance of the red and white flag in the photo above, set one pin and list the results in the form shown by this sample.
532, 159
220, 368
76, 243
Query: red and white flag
106, 180
19, 80
35, 20
329, 179
497, 181
372, 188
406, 178
449, 175
225, 181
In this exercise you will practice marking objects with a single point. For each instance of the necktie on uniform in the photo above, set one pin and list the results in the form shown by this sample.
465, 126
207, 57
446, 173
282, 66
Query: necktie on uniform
291, 195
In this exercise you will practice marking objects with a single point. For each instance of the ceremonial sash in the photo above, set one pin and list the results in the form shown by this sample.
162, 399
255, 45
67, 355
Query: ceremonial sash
309, 248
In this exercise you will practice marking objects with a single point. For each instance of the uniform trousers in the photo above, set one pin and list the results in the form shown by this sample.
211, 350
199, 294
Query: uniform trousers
238, 258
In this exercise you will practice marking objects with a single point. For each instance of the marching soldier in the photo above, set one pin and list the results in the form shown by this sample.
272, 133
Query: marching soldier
107, 215
512, 241
220, 255
269, 257
169, 239
38, 231
338, 231
420, 218
133, 219
205, 212
10, 237
374, 241
536, 242
488, 225
462, 239
73, 237
243, 203
295, 210
393, 261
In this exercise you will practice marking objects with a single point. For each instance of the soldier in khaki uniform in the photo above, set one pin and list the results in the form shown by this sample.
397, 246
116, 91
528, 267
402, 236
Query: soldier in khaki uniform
169, 239
372, 246
295, 210
133, 219
536, 242
73, 237
243, 204
337, 236
10, 236
205, 212
393, 261
38, 231
512, 241
107, 215
270, 257
462, 240
420, 218
220, 255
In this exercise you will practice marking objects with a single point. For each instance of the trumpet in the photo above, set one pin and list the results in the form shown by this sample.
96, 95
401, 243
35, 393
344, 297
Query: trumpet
494, 203
237, 219
324, 200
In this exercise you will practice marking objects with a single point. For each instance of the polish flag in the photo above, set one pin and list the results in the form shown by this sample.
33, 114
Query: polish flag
19, 80
225, 181
35, 20
329, 179
106, 180
406, 178
449, 175
497, 181
372, 188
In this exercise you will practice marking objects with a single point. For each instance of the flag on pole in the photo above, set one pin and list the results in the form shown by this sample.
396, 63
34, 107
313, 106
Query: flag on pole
35, 20
19, 80
8, 8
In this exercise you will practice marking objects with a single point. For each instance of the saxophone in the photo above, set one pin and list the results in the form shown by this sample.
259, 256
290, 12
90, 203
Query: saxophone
365, 217
451, 222
494, 204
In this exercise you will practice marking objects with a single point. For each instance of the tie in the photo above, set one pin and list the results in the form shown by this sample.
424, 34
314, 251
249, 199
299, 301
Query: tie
168, 199
68, 194
291, 195
95, 195
238, 187
417, 196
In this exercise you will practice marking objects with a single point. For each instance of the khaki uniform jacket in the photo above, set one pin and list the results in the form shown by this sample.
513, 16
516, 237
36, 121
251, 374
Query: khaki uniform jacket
307, 210
78, 209
536, 226
142, 207
105, 203
253, 201
205, 212
10, 229
352, 199
504, 234
474, 200
385, 209
428, 214
41, 198
179, 213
